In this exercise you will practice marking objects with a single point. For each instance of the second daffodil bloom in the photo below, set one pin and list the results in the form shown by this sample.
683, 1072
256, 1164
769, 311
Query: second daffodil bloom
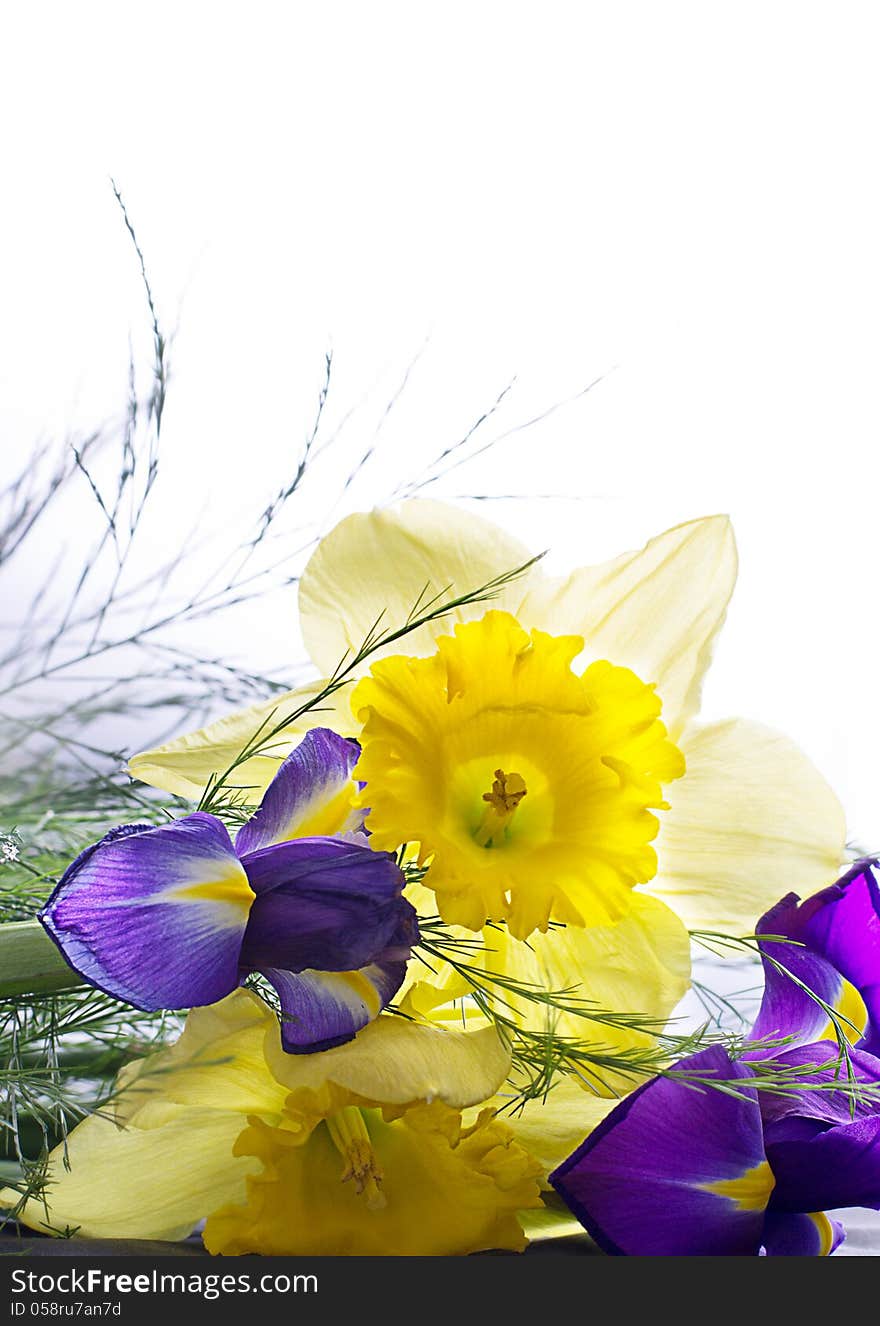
359, 1150
543, 749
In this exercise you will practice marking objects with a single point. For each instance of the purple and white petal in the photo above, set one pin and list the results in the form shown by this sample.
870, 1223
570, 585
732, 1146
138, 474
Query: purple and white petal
322, 1009
676, 1169
837, 1167
802, 1234
309, 797
155, 915
330, 904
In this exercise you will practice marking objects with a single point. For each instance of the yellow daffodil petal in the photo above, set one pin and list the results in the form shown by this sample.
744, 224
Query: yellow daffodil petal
752, 820
656, 611
152, 1181
441, 1190
218, 1060
638, 968
550, 1128
185, 765
395, 1062
554, 1222
158, 1157
382, 563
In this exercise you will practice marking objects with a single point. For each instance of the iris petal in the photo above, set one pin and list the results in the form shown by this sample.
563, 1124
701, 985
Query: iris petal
802, 1235
787, 1009
836, 936
309, 796
808, 1096
323, 1009
155, 916
327, 903
839, 1167
676, 1169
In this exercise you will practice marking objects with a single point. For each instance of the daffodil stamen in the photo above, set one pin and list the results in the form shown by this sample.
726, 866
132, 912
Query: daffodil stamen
352, 1140
507, 792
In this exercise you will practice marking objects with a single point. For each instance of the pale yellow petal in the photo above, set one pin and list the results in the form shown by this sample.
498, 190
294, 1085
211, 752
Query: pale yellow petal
153, 1181
159, 1157
656, 611
550, 1129
382, 563
185, 765
554, 1222
639, 966
218, 1061
395, 1062
751, 820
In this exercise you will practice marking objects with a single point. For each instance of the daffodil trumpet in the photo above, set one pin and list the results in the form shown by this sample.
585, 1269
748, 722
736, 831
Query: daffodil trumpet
176, 916
682, 1167
529, 786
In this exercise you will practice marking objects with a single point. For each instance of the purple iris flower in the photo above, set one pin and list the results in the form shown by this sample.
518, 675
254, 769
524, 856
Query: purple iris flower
175, 916
681, 1168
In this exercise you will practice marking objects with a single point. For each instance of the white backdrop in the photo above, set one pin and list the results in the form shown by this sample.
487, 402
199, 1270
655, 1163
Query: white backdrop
680, 199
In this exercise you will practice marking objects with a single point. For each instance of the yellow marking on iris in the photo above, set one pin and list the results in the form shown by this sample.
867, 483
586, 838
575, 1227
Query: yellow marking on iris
231, 887
750, 1191
851, 1006
826, 1232
363, 988
326, 819
352, 1140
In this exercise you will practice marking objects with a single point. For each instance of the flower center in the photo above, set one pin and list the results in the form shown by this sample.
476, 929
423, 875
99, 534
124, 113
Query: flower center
351, 1139
507, 792
580, 762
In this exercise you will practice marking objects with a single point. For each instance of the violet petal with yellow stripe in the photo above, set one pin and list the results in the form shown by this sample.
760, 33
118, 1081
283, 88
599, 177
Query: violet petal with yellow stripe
834, 951
676, 1169
155, 916
320, 1010
309, 797
175, 916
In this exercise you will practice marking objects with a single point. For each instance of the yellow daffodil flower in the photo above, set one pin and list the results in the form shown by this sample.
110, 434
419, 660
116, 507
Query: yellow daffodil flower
528, 787
361, 1149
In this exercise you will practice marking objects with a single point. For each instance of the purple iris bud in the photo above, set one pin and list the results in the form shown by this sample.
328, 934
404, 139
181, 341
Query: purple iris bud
683, 1168
175, 916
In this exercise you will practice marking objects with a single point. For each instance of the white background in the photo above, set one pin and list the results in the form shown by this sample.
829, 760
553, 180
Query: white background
679, 199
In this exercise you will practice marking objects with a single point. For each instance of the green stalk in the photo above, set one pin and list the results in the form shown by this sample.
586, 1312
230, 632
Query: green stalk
30, 963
